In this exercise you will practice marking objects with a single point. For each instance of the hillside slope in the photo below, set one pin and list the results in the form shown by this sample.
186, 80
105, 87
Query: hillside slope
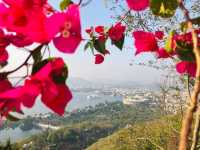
85, 127
161, 134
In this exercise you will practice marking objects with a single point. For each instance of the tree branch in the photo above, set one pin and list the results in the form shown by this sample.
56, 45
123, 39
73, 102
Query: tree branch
5, 74
187, 121
196, 131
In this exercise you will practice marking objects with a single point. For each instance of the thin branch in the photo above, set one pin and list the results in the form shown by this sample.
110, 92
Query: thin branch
80, 2
20, 66
188, 87
5, 74
196, 131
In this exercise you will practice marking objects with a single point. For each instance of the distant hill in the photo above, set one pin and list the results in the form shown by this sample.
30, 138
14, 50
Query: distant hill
76, 82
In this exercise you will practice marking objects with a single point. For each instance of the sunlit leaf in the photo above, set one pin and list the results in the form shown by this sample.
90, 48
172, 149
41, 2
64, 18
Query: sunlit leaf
163, 8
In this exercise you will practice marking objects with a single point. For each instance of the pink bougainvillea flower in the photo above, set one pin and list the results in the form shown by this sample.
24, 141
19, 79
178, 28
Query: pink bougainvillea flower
186, 67
138, 5
70, 36
186, 37
3, 56
31, 89
159, 34
59, 101
89, 31
11, 100
53, 94
116, 33
102, 38
162, 53
5, 85
24, 17
19, 40
145, 42
30, 19
99, 30
4, 42
99, 59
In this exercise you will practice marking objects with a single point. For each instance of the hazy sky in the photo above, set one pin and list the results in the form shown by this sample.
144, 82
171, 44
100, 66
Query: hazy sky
116, 66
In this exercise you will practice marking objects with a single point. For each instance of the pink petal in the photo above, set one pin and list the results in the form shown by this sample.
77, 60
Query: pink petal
58, 102
138, 5
31, 90
186, 67
162, 53
159, 34
10, 100
19, 40
145, 42
49, 90
116, 32
99, 59
5, 85
67, 45
3, 56
51, 29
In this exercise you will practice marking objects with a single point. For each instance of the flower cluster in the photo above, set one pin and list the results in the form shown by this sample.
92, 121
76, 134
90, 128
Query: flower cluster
138, 5
99, 36
35, 21
177, 45
49, 82
27, 22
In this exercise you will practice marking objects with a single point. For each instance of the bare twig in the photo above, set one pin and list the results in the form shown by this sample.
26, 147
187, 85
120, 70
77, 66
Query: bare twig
23, 64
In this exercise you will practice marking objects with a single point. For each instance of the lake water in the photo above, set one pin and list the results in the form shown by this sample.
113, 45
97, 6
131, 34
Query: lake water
16, 134
80, 100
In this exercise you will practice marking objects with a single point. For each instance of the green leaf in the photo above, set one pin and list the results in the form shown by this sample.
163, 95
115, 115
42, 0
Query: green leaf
100, 46
119, 44
37, 55
91, 46
186, 55
57, 76
61, 77
168, 42
65, 3
38, 66
163, 8
88, 44
185, 51
12, 118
